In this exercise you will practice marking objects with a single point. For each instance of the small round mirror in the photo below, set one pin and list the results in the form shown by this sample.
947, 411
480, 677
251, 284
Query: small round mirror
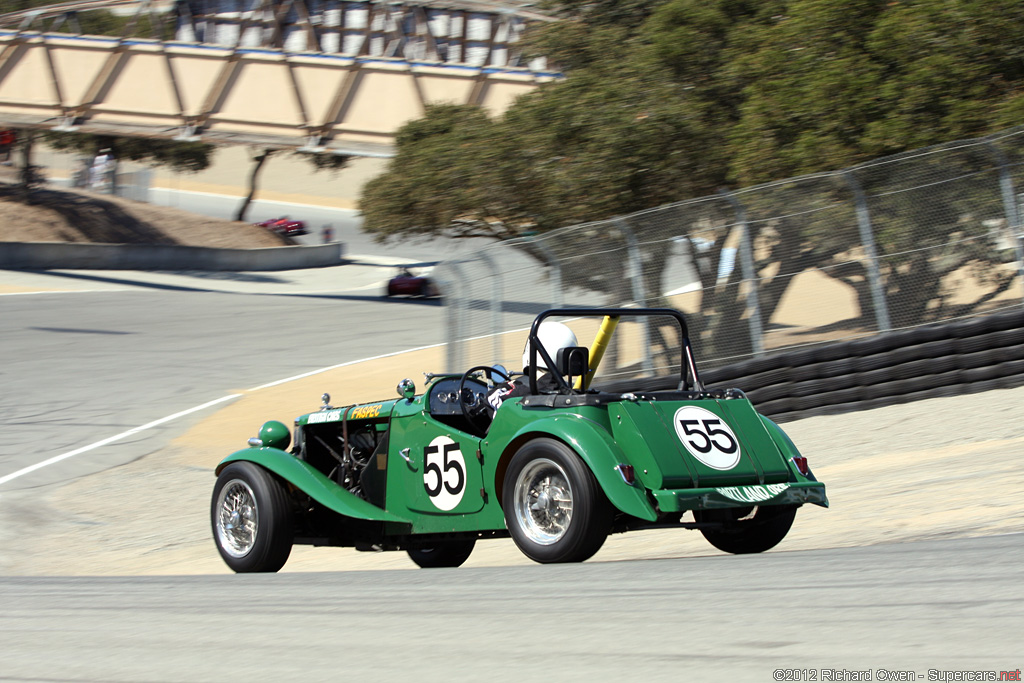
497, 377
407, 389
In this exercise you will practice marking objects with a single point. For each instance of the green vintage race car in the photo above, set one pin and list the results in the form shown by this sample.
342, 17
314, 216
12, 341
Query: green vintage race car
433, 473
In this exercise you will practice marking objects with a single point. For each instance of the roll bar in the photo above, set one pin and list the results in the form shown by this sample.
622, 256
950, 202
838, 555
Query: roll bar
687, 361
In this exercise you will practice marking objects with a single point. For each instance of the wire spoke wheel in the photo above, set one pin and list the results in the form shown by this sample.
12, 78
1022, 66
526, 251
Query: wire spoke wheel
543, 501
251, 515
555, 510
237, 518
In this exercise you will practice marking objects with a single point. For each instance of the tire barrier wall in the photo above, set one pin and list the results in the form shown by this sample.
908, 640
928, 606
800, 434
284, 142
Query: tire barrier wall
46, 255
963, 357
967, 356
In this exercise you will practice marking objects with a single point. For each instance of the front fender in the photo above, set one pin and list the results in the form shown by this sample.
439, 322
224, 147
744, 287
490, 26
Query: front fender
312, 482
601, 454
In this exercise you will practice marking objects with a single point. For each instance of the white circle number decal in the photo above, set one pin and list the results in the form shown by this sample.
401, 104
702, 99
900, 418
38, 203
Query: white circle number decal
444, 473
707, 437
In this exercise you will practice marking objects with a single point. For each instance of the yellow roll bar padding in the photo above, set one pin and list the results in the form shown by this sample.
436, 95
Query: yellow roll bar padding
604, 335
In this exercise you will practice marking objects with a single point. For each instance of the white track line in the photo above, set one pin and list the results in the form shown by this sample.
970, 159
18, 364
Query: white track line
112, 439
341, 365
183, 413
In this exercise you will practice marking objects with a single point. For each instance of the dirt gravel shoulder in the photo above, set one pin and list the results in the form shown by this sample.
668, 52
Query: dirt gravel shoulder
945, 467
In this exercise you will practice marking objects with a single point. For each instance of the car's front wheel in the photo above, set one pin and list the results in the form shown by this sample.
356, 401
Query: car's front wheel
443, 554
252, 518
739, 532
554, 508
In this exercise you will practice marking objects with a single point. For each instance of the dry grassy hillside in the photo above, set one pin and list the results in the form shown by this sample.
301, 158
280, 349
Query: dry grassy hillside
54, 215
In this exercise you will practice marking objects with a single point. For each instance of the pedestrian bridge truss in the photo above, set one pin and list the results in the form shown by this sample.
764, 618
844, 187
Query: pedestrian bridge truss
280, 74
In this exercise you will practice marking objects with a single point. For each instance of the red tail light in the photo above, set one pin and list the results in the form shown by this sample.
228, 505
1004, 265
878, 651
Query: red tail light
801, 464
628, 475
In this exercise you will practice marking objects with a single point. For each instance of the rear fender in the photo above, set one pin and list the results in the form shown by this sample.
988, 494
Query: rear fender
596, 448
312, 482
789, 451
785, 446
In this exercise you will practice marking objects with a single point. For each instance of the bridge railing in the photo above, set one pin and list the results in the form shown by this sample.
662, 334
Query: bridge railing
466, 32
898, 242
469, 33
326, 77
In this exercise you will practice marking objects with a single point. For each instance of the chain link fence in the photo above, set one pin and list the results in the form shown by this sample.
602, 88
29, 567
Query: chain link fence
926, 236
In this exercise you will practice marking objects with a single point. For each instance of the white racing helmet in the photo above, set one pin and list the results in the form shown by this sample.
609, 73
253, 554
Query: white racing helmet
553, 336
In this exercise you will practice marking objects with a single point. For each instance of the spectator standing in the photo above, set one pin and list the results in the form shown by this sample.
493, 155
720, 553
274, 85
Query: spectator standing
101, 167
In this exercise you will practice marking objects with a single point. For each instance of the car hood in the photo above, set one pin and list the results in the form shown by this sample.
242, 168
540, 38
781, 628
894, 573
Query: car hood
362, 411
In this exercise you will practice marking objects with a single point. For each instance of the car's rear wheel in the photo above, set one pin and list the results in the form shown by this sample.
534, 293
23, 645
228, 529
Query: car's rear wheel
742, 533
443, 554
554, 508
252, 519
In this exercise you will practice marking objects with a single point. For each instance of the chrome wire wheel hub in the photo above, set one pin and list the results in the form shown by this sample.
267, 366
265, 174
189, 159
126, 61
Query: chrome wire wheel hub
543, 501
237, 518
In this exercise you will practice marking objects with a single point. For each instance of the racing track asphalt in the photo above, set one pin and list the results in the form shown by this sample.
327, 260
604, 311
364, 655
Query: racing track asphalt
931, 606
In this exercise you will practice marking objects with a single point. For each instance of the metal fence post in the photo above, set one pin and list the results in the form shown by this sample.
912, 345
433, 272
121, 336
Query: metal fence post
867, 238
749, 274
1010, 207
635, 273
556, 271
497, 297
456, 316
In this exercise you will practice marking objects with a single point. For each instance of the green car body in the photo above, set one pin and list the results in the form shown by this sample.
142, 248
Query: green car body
557, 472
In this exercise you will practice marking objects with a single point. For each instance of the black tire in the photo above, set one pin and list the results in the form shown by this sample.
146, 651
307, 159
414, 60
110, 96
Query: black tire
247, 494
550, 474
768, 526
443, 554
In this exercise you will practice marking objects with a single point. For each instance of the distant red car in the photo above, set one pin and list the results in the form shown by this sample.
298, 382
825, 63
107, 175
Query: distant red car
285, 226
412, 285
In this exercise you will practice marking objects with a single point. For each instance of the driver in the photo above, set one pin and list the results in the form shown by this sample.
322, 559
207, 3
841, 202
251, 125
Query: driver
553, 337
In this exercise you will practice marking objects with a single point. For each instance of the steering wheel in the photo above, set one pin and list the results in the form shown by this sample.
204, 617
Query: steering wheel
472, 410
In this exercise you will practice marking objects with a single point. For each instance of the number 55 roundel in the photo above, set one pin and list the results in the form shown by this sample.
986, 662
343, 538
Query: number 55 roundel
444, 473
707, 437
